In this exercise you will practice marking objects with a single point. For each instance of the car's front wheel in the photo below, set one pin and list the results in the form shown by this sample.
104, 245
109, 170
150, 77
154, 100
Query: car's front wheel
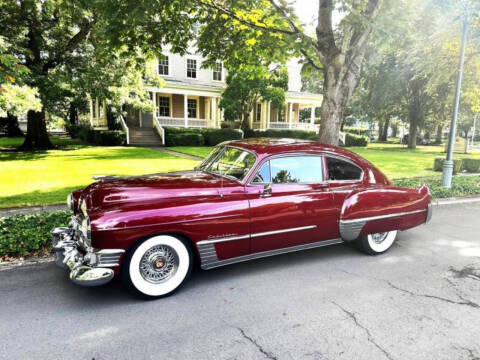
375, 244
157, 266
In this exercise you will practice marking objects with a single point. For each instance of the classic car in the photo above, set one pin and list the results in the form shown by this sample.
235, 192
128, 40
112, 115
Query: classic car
248, 199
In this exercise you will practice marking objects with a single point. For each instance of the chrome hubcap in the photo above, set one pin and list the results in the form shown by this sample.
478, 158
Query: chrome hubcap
159, 264
378, 238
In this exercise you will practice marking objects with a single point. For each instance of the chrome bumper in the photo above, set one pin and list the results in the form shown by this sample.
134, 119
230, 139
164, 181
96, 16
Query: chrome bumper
88, 268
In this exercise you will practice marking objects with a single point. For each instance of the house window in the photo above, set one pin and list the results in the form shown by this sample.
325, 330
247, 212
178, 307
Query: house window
258, 113
192, 108
191, 68
164, 106
163, 65
217, 72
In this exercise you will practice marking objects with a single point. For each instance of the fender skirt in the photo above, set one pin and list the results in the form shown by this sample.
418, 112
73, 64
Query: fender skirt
384, 209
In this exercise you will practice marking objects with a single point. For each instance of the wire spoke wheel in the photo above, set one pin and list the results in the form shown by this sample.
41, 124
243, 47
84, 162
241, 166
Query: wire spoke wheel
158, 264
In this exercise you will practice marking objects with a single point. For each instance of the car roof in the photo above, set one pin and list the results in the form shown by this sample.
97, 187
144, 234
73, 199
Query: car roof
271, 146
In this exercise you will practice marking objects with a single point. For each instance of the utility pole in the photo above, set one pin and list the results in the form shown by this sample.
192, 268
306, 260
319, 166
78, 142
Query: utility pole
448, 164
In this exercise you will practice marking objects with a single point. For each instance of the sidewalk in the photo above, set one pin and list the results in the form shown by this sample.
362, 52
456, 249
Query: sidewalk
4, 212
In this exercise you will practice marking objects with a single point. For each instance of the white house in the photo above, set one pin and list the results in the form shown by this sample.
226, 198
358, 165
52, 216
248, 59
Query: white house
191, 95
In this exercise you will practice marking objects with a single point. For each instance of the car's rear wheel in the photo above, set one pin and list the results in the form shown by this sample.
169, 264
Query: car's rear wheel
157, 266
374, 244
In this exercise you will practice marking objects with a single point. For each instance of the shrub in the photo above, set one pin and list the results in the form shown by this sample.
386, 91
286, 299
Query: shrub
184, 139
461, 185
98, 137
216, 136
356, 131
471, 165
21, 235
355, 140
282, 133
438, 165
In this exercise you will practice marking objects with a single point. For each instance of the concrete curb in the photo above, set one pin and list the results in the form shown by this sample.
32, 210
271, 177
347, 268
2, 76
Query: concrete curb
43, 260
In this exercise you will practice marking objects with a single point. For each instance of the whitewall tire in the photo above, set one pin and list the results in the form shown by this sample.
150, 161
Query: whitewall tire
375, 244
157, 266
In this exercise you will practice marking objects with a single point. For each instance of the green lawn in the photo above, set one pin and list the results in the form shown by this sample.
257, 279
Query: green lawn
395, 160
47, 177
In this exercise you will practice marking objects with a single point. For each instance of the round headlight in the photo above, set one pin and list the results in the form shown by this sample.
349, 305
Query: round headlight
83, 207
70, 201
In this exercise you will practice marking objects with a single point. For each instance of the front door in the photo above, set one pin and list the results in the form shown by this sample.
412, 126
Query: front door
290, 203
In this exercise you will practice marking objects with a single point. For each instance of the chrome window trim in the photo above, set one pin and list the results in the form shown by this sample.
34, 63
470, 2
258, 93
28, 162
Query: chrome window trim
283, 155
266, 233
379, 217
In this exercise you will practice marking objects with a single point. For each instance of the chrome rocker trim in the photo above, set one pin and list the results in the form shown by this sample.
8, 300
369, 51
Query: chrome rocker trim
351, 229
208, 254
91, 269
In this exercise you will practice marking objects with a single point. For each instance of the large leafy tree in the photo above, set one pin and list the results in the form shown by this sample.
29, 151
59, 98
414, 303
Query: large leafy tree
248, 85
337, 50
54, 40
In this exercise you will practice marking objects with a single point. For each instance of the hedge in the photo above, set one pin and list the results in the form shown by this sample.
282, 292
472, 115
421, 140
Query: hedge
21, 235
355, 140
293, 134
468, 165
98, 137
198, 137
461, 185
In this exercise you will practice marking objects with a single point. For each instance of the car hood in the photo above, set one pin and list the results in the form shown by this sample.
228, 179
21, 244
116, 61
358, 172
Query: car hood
152, 189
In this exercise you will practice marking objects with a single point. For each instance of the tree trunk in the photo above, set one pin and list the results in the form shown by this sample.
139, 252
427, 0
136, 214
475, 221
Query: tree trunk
394, 130
384, 132
37, 136
11, 126
73, 114
412, 135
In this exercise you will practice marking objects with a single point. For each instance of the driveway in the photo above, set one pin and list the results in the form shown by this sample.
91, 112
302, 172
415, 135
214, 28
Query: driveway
421, 300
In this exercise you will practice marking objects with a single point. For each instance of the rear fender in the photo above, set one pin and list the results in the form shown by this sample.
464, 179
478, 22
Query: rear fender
381, 209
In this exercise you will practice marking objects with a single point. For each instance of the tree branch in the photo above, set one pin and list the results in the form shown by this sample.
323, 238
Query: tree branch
325, 38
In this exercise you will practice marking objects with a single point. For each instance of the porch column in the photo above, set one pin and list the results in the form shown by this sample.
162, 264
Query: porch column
91, 110
213, 111
154, 105
290, 115
140, 118
104, 117
97, 111
185, 109
250, 119
269, 109
312, 118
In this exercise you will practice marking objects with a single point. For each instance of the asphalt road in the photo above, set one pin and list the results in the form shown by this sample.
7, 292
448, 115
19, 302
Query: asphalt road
421, 300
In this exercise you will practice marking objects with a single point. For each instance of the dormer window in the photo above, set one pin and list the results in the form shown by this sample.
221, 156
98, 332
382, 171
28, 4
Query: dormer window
191, 68
163, 65
217, 71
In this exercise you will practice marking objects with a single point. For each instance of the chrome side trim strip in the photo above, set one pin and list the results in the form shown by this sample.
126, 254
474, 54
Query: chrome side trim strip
266, 233
382, 216
210, 263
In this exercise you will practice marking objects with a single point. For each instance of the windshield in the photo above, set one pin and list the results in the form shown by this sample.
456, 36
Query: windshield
229, 161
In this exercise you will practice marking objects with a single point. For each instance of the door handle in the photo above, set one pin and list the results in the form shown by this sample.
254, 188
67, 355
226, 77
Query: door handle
267, 191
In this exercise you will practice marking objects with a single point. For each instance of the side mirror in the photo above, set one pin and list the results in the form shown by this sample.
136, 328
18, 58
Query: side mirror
267, 190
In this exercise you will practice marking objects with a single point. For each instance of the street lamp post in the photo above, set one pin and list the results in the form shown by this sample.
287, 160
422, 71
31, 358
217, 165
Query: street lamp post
448, 164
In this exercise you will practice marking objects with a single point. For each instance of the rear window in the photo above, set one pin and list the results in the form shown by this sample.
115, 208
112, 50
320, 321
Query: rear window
342, 170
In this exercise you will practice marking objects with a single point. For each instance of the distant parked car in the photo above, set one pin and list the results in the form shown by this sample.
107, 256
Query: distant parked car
247, 200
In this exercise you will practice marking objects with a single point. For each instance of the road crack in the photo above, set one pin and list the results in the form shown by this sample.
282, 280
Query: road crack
450, 301
370, 338
267, 354
468, 271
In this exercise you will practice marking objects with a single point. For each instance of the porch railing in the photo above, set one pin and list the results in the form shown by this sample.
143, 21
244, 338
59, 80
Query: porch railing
124, 126
293, 126
180, 122
159, 128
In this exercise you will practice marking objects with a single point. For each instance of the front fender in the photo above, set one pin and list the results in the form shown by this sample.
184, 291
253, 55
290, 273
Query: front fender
381, 209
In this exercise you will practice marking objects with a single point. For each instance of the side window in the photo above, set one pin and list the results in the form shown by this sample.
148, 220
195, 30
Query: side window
342, 170
263, 175
296, 169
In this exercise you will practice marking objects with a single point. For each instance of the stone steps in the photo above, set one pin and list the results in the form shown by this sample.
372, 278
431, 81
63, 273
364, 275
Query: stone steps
144, 137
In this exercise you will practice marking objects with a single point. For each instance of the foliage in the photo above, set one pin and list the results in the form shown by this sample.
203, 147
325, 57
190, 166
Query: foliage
293, 134
461, 185
22, 235
216, 136
98, 137
438, 165
471, 165
355, 140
